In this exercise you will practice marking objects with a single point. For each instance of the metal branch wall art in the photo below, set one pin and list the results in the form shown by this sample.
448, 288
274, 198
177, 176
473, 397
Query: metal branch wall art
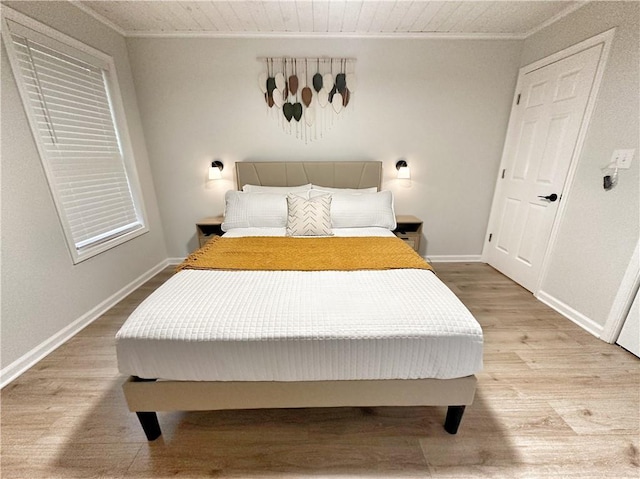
308, 95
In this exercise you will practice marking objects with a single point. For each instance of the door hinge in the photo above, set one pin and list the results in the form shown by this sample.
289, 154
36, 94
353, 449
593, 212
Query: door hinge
518, 99
503, 174
490, 236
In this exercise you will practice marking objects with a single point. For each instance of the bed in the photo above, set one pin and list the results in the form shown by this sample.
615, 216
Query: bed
236, 331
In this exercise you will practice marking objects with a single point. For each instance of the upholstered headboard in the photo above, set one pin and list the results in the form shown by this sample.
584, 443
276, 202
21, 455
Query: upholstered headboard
335, 174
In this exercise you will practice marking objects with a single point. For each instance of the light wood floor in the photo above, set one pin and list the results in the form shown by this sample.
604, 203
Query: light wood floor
552, 401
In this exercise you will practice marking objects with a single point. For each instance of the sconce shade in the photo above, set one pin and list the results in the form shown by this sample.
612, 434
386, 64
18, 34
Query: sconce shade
215, 170
404, 172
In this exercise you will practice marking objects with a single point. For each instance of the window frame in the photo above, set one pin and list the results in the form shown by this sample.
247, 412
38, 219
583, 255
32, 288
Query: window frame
113, 92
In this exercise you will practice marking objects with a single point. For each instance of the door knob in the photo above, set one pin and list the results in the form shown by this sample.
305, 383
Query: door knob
552, 197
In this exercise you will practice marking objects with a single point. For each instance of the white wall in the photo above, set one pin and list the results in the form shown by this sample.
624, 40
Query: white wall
600, 228
441, 104
43, 292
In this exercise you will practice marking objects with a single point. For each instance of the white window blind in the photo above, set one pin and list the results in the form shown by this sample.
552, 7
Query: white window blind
73, 118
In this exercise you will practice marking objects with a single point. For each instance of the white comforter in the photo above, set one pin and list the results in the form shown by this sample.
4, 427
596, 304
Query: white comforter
300, 326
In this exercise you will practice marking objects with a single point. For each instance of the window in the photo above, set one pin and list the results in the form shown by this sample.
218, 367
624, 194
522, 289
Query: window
70, 93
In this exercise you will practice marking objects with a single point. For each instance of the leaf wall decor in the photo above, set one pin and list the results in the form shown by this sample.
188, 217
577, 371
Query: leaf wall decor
307, 96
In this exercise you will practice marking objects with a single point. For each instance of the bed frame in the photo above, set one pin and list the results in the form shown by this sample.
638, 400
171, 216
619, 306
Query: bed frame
146, 397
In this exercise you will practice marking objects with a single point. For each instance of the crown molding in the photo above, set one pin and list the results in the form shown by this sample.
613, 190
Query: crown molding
101, 18
327, 35
556, 17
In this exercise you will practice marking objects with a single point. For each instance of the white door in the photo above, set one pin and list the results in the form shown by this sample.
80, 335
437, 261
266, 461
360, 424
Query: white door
543, 133
630, 335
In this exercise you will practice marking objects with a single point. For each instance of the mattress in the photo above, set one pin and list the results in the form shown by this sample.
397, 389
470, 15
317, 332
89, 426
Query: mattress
300, 326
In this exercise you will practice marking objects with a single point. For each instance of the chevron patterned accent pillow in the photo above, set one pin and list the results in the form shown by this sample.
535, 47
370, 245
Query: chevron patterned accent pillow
309, 217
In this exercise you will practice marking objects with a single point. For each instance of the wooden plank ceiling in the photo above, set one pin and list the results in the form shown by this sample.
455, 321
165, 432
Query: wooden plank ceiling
515, 19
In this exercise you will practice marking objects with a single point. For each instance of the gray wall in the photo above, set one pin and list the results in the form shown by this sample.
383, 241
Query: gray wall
42, 290
600, 228
441, 104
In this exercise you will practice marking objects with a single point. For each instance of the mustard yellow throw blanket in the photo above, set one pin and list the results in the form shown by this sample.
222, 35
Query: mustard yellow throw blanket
304, 254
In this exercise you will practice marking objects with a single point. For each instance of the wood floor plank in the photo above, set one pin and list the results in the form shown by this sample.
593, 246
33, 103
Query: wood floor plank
552, 401
489, 418
533, 456
606, 359
321, 458
27, 424
62, 461
618, 415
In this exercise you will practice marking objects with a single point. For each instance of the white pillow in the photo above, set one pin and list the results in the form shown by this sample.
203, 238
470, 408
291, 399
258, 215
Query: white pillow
261, 210
360, 210
276, 189
373, 189
309, 217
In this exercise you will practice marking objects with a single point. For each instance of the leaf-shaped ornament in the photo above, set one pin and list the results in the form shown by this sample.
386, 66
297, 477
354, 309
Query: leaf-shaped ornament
317, 82
346, 96
262, 82
287, 110
336, 103
341, 82
310, 115
269, 99
323, 97
297, 111
333, 91
271, 85
293, 84
307, 96
277, 98
327, 81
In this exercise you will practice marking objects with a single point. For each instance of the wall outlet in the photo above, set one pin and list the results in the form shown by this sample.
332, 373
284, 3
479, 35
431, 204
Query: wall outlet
622, 158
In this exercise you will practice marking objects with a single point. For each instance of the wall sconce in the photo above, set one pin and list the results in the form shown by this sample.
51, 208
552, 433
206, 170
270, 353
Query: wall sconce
215, 170
404, 173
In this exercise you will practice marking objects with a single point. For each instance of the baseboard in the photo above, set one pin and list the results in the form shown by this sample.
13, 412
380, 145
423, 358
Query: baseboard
172, 261
570, 313
470, 258
20, 365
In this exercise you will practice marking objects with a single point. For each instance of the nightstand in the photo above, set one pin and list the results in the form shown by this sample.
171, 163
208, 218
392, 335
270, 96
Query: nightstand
409, 229
208, 227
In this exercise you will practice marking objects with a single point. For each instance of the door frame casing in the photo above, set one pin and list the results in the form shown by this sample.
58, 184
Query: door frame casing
606, 38
623, 300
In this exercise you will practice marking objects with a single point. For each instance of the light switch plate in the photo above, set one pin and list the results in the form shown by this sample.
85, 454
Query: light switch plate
622, 158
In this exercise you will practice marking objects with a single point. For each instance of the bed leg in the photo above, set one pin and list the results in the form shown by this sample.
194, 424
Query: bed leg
454, 416
148, 419
150, 425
